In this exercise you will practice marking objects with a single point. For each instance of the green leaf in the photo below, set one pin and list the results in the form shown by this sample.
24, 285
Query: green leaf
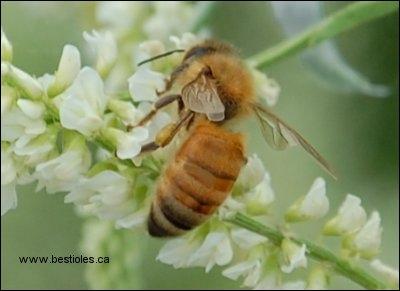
325, 60
347, 18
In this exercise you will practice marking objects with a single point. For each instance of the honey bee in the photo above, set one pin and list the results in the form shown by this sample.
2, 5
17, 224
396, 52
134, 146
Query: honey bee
214, 87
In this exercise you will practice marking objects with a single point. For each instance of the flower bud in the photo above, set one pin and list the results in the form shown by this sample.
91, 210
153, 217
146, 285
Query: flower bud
144, 84
105, 48
83, 107
367, 241
351, 217
294, 256
124, 110
24, 81
314, 205
260, 197
68, 69
30, 108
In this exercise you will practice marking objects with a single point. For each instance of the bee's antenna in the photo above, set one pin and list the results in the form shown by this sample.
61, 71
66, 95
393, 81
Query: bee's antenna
161, 56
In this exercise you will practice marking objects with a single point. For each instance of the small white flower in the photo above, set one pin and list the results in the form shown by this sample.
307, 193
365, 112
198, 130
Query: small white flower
46, 80
35, 148
318, 279
177, 252
351, 217
31, 109
312, 206
84, 103
215, 250
252, 173
390, 274
250, 269
124, 110
144, 84
128, 144
266, 88
6, 48
186, 41
68, 69
27, 83
294, 256
61, 173
246, 239
134, 220
106, 194
260, 197
103, 44
22, 122
366, 241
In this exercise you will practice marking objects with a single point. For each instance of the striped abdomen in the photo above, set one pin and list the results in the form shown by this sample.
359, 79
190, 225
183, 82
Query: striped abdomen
197, 181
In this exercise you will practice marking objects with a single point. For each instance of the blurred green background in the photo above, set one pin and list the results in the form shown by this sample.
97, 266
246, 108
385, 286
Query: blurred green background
357, 134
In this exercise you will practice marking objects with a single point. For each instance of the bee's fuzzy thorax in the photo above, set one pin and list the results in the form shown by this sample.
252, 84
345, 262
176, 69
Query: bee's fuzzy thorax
234, 80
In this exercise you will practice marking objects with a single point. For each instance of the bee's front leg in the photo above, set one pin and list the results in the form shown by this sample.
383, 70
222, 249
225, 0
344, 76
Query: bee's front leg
160, 103
166, 134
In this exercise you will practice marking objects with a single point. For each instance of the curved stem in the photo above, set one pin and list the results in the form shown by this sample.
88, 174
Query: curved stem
341, 266
345, 19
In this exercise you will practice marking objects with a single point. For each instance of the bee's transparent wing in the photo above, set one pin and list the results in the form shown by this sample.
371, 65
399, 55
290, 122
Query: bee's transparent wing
201, 96
280, 136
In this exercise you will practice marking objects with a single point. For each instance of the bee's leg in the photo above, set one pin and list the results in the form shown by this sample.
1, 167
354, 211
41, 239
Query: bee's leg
168, 86
190, 122
174, 75
166, 135
149, 147
160, 103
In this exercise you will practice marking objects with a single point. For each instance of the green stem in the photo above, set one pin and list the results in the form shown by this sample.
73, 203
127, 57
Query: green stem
345, 19
341, 266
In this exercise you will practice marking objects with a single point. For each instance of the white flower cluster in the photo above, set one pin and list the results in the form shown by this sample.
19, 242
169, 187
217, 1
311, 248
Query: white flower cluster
251, 256
48, 123
260, 263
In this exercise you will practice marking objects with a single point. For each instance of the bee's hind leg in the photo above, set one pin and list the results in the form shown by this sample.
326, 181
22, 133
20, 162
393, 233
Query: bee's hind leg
160, 103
